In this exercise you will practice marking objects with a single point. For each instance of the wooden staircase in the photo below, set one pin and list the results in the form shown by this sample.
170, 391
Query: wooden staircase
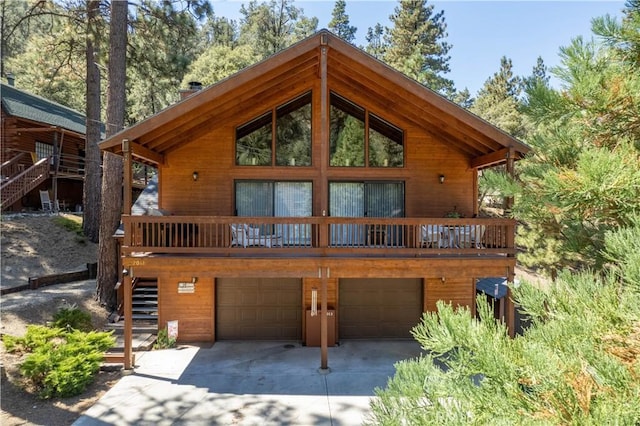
144, 316
17, 186
144, 305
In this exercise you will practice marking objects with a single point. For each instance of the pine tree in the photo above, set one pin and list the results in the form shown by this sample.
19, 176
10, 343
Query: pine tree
271, 27
417, 46
498, 101
339, 24
376, 45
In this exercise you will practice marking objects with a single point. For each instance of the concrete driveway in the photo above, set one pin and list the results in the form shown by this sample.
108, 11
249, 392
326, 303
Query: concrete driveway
251, 383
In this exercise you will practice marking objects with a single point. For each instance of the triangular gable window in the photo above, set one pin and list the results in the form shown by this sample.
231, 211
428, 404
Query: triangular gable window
287, 143
357, 134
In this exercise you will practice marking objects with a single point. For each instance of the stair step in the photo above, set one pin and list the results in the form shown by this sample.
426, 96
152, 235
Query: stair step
145, 302
145, 316
147, 290
145, 296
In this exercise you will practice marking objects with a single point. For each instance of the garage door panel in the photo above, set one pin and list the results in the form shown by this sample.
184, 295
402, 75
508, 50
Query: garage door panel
259, 309
379, 308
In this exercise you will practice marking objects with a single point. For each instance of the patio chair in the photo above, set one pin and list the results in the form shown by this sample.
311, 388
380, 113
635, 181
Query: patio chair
245, 236
45, 201
470, 236
431, 236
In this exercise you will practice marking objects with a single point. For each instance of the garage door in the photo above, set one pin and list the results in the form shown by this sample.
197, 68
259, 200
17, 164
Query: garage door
258, 309
379, 308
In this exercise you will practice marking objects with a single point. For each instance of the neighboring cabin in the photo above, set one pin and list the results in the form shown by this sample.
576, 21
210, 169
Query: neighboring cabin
318, 180
43, 149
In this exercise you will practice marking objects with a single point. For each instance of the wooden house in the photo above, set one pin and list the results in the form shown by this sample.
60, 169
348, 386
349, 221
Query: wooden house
43, 147
310, 197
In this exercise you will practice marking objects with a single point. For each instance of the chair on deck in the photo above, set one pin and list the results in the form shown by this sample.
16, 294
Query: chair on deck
244, 235
431, 236
471, 236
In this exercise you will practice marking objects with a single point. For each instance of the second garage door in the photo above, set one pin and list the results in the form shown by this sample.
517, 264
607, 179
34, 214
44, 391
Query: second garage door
379, 308
258, 309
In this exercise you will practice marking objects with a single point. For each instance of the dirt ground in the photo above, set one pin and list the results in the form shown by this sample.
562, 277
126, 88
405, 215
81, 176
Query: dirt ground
33, 246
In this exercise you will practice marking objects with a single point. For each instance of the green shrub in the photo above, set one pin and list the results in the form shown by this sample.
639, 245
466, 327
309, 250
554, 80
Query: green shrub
61, 362
72, 318
163, 341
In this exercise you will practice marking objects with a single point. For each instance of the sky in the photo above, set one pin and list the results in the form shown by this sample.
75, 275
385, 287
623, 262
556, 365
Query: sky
481, 32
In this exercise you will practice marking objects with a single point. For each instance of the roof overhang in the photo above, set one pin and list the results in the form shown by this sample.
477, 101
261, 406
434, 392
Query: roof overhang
484, 144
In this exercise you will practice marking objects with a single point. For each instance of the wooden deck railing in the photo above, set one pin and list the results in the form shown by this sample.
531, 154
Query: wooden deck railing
317, 236
21, 184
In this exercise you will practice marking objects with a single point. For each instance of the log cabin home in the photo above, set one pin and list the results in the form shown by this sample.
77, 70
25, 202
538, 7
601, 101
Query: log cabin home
316, 196
43, 148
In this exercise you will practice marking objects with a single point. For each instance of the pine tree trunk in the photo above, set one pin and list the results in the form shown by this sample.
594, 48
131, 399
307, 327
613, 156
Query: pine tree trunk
110, 215
92, 170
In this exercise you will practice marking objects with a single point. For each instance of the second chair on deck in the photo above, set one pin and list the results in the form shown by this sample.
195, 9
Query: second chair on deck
245, 235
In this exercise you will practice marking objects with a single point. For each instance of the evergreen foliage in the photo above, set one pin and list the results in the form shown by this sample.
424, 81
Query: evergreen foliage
498, 101
339, 24
577, 363
61, 363
416, 44
273, 26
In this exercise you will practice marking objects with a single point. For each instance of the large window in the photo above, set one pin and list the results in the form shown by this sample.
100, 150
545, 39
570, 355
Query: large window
356, 135
281, 136
365, 199
279, 199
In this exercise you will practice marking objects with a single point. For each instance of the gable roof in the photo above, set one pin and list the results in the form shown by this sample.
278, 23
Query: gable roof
19, 103
348, 66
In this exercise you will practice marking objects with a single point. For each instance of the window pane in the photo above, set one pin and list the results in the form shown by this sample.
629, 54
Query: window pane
385, 199
385, 144
293, 199
346, 199
44, 150
253, 142
346, 133
254, 198
293, 128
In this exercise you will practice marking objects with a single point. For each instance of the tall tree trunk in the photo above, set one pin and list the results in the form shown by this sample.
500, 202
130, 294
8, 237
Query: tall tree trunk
110, 216
92, 171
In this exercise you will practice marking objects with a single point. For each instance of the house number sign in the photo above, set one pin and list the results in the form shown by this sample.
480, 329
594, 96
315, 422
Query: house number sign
186, 287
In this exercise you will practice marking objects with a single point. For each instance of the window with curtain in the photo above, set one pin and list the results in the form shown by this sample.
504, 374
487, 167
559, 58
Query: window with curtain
349, 142
256, 141
364, 199
278, 199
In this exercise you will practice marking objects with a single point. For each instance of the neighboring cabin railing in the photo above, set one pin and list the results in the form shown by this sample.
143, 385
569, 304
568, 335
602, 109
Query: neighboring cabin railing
317, 236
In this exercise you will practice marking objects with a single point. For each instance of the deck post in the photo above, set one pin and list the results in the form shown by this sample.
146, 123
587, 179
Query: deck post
128, 172
324, 142
128, 322
324, 341
510, 311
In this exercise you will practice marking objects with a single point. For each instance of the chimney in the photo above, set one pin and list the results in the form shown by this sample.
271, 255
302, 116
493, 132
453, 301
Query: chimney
11, 79
194, 86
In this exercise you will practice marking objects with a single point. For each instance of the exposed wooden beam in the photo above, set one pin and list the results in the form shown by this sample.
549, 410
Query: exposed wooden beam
145, 153
490, 159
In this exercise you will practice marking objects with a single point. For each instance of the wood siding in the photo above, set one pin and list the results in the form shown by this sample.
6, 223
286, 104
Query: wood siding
193, 311
212, 155
457, 291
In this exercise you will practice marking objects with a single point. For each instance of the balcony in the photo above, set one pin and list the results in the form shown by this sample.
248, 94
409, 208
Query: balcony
232, 236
